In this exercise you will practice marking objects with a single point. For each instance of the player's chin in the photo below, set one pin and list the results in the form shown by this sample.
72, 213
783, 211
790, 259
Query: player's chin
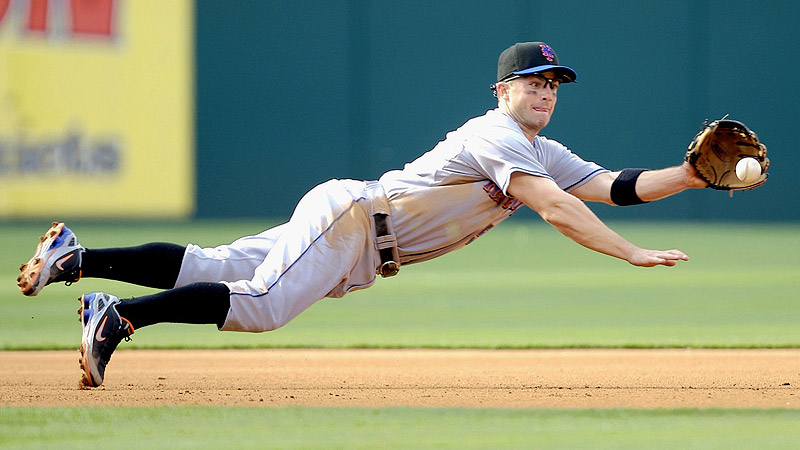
540, 120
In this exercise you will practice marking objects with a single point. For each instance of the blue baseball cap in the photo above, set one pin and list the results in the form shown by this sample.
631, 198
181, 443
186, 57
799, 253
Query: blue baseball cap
525, 58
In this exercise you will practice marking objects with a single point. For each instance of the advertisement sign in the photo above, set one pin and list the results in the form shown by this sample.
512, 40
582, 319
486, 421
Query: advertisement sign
96, 108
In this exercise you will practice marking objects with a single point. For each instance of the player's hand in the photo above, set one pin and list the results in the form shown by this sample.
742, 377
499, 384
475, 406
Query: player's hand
693, 180
649, 258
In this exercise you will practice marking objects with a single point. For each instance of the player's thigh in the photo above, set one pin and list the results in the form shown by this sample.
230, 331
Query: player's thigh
326, 251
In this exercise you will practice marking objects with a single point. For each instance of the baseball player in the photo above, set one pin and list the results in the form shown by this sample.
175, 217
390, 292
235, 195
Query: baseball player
345, 232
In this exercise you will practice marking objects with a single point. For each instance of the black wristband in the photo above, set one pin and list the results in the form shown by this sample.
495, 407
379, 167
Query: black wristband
623, 189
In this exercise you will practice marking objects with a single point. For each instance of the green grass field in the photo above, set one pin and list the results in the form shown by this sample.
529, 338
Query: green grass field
521, 286
396, 428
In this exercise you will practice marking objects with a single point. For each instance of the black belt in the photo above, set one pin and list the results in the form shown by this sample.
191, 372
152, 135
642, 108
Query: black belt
386, 243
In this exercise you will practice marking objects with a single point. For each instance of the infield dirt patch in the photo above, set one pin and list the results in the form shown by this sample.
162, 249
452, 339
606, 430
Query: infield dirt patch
422, 378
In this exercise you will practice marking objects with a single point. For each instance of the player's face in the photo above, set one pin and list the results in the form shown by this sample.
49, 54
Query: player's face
531, 100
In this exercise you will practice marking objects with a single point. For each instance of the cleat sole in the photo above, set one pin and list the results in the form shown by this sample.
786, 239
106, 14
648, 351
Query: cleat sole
30, 271
29, 281
86, 377
84, 312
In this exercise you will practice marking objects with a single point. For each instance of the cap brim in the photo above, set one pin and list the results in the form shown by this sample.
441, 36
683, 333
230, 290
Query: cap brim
568, 74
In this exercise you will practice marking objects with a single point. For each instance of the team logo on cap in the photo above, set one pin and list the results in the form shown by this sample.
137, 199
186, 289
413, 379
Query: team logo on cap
547, 52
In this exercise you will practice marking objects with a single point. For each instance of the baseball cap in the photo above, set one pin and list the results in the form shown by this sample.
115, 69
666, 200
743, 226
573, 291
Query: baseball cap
524, 58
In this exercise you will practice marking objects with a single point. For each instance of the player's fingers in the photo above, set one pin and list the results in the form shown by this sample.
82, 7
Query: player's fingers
671, 257
681, 255
675, 254
661, 258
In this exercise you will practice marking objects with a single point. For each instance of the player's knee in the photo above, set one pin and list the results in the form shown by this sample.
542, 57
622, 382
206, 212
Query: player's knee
256, 317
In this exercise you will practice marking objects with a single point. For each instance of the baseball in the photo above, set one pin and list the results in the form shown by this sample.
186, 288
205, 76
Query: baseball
748, 169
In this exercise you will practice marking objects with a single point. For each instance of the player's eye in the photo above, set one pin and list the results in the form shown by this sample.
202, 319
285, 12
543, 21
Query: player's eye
540, 82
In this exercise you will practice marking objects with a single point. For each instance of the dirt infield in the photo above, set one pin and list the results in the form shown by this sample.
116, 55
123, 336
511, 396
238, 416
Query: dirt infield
422, 378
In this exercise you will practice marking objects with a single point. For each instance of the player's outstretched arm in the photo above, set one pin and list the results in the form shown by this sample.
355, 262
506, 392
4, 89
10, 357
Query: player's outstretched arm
570, 216
650, 186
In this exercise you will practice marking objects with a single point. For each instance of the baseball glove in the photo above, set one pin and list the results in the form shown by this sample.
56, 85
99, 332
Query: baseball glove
716, 149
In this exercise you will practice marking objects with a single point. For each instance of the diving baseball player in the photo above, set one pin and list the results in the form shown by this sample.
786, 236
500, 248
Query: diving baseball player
345, 232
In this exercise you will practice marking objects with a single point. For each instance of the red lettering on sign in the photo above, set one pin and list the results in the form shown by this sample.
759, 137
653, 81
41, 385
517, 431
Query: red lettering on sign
3, 9
92, 17
37, 16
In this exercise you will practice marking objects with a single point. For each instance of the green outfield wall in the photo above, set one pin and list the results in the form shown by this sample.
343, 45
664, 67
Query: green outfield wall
291, 93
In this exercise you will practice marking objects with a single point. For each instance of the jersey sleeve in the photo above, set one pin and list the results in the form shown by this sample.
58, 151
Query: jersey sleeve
566, 168
500, 153
497, 155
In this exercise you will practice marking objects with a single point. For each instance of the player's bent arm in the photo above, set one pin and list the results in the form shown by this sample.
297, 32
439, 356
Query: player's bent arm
650, 186
572, 218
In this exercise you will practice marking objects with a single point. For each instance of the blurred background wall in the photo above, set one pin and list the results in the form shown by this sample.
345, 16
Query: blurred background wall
287, 94
290, 93
96, 108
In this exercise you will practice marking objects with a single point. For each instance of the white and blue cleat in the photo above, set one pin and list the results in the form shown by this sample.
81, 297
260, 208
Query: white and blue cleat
103, 330
58, 258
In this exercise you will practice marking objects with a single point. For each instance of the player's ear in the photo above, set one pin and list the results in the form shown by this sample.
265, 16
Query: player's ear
502, 90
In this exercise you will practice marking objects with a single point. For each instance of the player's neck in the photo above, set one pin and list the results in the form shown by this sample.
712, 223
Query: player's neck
529, 129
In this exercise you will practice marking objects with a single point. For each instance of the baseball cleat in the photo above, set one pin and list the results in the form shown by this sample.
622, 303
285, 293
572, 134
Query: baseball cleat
58, 258
103, 330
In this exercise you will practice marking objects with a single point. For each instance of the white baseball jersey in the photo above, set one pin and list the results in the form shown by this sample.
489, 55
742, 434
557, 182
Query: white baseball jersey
459, 190
439, 202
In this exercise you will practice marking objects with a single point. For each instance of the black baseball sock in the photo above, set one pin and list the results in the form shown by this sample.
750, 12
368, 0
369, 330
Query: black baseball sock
153, 265
196, 303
